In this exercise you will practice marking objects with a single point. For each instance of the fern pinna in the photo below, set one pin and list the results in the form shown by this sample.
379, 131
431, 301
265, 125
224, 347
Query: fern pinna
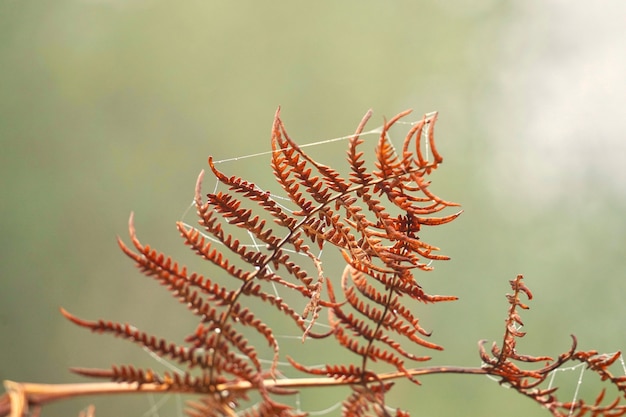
374, 220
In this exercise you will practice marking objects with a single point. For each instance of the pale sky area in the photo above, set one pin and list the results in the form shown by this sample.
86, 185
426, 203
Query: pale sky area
559, 119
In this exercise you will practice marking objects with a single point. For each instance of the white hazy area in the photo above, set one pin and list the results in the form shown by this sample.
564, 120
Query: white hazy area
559, 119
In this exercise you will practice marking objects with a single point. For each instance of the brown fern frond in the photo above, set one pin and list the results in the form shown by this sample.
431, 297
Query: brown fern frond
501, 363
382, 249
401, 313
181, 354
124, 373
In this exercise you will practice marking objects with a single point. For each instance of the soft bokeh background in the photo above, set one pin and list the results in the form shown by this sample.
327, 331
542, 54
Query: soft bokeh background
108, 106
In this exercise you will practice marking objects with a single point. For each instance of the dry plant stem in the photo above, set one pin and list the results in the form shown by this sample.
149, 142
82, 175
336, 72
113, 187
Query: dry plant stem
21, 396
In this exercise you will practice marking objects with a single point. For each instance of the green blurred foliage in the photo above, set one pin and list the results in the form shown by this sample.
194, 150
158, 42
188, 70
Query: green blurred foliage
113, 106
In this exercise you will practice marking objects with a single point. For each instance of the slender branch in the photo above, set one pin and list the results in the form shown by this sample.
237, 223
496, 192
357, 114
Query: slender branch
22, 395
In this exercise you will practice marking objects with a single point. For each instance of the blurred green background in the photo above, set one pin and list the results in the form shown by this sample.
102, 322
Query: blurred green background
108, 106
